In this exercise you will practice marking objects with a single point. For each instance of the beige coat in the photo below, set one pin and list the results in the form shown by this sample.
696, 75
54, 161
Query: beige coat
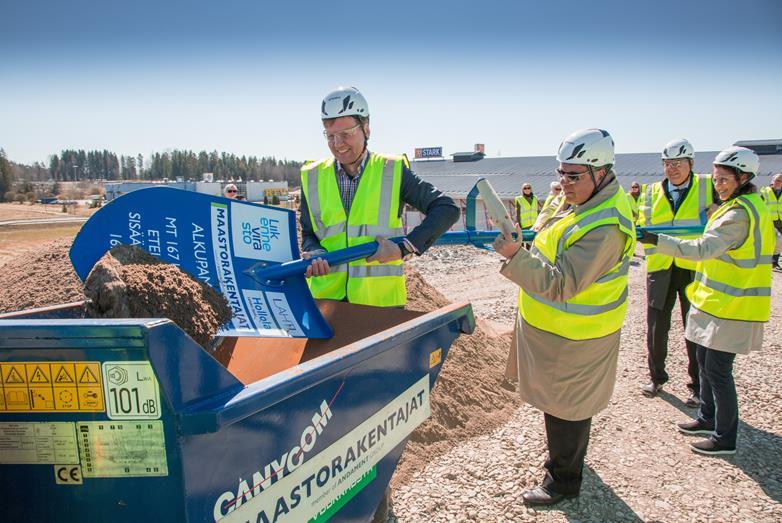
569, 379
727, 232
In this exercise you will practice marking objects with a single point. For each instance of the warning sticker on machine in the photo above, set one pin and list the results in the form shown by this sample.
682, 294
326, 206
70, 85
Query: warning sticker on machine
42, 386
131, 390
112, 450
38, 443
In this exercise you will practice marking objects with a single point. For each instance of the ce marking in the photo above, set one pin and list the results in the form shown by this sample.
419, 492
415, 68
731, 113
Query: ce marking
67, 474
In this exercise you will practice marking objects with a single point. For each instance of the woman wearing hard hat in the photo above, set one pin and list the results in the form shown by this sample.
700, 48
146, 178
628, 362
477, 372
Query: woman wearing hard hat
731, 294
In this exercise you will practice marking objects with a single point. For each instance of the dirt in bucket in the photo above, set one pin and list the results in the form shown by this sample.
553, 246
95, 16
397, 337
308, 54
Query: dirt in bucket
471, 395
128, 282
40, 278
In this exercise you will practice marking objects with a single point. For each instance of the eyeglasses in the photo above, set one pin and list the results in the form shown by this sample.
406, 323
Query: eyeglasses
674, 164
570, 177
720, 181
342, 135
231, 190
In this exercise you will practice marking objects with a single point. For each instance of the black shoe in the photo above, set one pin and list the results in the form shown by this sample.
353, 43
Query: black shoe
542, 496
710, 448
694, 427
693, 401
650, 390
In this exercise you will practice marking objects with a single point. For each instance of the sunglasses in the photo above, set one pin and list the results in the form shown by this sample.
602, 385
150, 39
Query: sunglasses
231, 191
570, 177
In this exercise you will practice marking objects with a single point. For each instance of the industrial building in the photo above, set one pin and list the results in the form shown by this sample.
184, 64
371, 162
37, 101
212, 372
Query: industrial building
458, 175
252, 191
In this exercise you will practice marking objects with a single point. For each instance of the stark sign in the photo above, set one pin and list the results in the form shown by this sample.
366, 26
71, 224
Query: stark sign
131, 390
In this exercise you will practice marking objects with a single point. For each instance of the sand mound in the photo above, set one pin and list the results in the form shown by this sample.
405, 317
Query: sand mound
39, 279
128, 282
471, 395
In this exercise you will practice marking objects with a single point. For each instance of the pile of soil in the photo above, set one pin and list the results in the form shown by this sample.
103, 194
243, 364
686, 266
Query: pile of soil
40, 278
128, 282
471, 395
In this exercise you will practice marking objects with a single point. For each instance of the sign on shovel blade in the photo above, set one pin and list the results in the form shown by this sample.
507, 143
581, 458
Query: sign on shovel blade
216, 240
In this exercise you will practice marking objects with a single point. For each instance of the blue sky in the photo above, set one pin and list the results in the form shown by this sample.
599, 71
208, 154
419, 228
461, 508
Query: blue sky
248, 77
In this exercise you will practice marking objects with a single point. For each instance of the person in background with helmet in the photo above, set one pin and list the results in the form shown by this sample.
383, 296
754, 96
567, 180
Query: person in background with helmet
527, 207
681, 199
772, 195
356, 197
634, 194
731, 295
572, 304
549, 206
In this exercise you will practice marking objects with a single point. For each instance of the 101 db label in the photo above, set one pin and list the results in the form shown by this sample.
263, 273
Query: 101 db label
132, 390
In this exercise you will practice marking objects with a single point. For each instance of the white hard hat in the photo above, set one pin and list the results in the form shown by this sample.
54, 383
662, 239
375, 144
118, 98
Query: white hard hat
593, 147
740, 158
344, 101
680, 148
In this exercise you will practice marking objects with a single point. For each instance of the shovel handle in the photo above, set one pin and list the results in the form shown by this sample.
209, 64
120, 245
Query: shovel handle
298, 267
671, 230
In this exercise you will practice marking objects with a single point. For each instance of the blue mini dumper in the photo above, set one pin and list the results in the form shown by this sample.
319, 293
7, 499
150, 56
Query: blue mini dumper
130, 420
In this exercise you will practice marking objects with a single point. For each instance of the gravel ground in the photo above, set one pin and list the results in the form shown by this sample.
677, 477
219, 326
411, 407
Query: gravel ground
639, 468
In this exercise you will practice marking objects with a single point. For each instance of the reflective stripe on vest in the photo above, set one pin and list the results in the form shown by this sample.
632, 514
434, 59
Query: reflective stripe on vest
598, 310
633, 204
528, 211
773, 203
654, 209
374, 212
737, 285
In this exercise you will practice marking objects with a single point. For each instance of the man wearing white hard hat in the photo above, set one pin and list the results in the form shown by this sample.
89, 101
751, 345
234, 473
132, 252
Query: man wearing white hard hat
356, 196
681, 198
572, 303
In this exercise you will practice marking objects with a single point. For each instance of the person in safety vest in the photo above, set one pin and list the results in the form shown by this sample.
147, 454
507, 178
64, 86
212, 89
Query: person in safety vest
772, 195
634, 194
731, 295
681, 199
572, 304
553, 200
527, 207
356, 197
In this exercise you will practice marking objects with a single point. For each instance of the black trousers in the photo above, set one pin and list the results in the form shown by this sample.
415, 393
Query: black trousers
567, 446
719, 406
662, 288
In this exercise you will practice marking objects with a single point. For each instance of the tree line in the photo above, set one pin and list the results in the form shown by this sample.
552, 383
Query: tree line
80, 165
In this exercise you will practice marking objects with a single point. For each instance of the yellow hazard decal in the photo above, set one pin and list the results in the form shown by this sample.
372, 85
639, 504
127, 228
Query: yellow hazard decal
43, 386
435, 357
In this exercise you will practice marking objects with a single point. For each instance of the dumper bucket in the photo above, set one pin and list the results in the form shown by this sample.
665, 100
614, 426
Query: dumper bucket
130, 420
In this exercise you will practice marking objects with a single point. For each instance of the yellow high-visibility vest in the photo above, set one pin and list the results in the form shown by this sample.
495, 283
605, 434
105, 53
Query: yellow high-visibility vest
598, 310
654, 209
737, 285
374, 212
633, 205
773, 203
528, 211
